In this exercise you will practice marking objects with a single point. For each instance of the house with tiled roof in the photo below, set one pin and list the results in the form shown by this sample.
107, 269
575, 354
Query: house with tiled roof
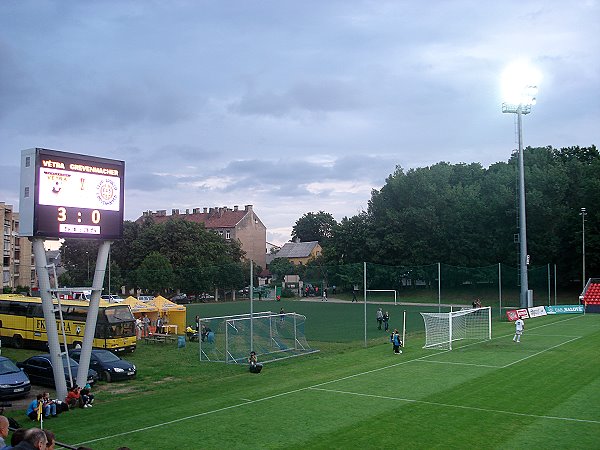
299, 252
230, 223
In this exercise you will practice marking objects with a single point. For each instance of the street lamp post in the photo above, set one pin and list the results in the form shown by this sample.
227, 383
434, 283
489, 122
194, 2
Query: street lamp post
519, 92
583, 214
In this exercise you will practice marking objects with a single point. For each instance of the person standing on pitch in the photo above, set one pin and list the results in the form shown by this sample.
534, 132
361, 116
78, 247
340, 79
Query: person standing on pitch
396, 341
386, 320
379, 318
519, 327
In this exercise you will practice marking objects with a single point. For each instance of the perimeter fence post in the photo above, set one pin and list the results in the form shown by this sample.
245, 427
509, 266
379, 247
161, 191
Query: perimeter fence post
365, 298
439, 287
500, 288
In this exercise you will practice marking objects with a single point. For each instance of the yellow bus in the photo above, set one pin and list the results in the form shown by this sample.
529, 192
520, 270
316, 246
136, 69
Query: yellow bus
22, 323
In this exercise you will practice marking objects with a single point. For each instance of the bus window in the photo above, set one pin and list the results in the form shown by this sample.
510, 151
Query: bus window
77, 313
118, 314
18, 309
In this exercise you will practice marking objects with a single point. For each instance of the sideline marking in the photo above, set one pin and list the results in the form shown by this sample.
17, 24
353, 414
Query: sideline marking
316, 386
540, 352
462, 364
447, 405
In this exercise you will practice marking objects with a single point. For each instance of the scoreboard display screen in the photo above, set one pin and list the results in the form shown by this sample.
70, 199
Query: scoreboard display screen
76, 196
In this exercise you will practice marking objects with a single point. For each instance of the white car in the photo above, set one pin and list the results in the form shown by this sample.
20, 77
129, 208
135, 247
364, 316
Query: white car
145, 298
111, 298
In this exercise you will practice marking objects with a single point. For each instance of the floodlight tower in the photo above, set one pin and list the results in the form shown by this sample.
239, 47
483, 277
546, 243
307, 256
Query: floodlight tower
583, 213
519, 90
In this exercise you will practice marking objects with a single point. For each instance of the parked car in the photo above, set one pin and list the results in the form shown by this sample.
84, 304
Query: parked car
108, 365
180, 299
111, 298
39, 370
14, 383
145, 298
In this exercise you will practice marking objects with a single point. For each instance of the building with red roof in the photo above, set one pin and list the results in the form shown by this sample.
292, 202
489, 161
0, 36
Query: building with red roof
241, 224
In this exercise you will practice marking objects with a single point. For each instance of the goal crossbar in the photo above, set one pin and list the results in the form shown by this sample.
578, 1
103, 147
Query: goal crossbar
386, 290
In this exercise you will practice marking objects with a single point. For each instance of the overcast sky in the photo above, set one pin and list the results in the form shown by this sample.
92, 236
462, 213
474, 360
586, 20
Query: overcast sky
292, 106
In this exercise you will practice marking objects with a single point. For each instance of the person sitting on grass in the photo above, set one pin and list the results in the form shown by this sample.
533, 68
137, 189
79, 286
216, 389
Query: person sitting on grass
32, 409
73, 397
87, 398
253, 365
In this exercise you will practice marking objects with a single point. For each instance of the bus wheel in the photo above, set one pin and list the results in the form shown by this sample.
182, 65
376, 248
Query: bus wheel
106, 376
17, 341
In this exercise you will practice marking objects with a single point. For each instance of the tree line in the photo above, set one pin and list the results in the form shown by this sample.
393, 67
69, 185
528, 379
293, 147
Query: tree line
176, 255
466, 215
462, 215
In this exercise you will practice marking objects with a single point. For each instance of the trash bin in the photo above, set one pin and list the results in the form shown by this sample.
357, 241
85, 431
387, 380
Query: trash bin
180, 341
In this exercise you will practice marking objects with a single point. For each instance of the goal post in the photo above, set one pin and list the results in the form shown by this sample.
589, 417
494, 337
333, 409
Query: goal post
395, 293
271, 335
441, 329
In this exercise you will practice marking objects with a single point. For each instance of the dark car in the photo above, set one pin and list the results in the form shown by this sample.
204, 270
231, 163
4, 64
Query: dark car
39, 370
14, 383
108, 365
180, 299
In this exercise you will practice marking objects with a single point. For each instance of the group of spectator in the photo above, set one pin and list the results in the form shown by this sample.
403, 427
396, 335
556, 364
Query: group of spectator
142, 325
46, 407
383, 318
82, 398
26, 439
30, 438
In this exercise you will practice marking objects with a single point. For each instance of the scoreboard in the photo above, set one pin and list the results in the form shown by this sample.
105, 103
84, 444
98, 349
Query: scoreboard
68, 195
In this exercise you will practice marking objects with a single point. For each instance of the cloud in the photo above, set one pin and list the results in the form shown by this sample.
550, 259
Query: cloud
315, 97
15, 89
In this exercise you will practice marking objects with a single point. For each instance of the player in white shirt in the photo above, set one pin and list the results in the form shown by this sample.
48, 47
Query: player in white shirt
519, 327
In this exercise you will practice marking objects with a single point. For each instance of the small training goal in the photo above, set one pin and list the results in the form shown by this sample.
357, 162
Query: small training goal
271, 335
441, 329
382, 294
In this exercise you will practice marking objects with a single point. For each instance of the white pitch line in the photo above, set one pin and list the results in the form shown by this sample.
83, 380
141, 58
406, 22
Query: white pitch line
540, 352
460, 364
315, 386
447, 405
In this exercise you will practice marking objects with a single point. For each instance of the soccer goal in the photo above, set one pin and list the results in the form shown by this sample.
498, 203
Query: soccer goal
441, 329
271, 335
391, 291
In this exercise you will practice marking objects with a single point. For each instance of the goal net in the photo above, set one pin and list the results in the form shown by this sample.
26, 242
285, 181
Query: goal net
271, 335
441, 329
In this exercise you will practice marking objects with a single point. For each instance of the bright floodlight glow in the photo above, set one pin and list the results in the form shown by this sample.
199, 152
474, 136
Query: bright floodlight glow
519, 84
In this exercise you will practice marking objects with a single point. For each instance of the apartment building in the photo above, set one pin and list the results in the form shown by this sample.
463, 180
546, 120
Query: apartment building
18, 265
241, 224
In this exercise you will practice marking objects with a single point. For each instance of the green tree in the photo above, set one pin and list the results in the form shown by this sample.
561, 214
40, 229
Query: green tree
280, 267
155, 273
314, 227
349, 240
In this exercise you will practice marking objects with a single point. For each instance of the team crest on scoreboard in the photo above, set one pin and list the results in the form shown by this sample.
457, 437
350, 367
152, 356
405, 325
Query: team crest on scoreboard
56, 180
107, 192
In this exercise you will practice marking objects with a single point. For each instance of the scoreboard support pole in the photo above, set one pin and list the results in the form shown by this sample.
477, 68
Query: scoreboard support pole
92, 318
49, 317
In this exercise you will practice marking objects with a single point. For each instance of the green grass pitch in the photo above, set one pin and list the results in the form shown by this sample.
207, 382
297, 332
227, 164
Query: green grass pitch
541, 393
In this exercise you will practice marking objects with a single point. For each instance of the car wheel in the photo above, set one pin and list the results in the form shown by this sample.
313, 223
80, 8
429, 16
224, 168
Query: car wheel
18, 341
106, 376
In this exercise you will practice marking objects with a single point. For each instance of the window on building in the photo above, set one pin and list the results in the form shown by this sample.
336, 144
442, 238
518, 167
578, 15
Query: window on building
227, 234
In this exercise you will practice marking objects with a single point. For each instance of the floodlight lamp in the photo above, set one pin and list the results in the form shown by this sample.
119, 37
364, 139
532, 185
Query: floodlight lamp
519, 87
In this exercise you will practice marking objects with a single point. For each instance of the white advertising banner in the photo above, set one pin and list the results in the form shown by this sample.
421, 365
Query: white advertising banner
537, 311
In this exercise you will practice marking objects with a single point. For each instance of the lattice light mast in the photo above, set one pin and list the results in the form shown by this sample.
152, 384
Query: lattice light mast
519, 83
